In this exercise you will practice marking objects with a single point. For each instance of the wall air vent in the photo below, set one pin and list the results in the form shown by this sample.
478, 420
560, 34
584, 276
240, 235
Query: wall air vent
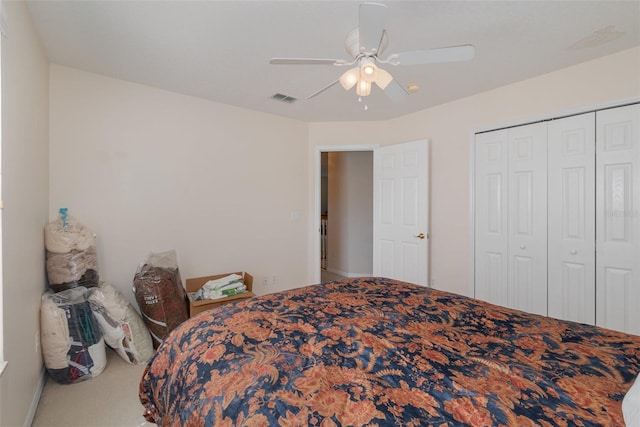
284, 98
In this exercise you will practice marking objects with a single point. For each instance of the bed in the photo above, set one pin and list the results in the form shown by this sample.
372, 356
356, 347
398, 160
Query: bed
380, 352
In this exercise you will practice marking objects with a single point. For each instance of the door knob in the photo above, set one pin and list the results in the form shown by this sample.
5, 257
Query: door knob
573, 251
420, 236
523, 246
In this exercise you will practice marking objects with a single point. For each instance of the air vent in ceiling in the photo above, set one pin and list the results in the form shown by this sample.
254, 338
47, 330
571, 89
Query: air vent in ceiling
284, 98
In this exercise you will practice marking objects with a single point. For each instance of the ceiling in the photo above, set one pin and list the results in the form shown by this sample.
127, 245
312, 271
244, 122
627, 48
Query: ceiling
220, 50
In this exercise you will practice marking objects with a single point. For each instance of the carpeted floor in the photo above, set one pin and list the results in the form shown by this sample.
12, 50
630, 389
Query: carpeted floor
108, 400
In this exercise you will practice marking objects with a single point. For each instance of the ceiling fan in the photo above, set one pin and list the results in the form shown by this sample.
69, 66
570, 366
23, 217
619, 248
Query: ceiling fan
365, 44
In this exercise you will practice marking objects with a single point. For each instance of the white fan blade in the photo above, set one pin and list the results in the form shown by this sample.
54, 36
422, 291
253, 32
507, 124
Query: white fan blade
429, 56
395, 91
318, 92
373, 21
306, 61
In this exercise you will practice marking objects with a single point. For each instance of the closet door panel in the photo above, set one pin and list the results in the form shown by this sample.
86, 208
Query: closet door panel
527, 218
571, 220
617, 288
491, 217
618, 218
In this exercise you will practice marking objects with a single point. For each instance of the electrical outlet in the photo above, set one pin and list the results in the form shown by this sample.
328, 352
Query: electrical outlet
274, 280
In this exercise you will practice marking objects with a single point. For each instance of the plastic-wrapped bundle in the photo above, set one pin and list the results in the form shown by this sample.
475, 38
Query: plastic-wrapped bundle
160, 295
72, 345
122, 327
71, 254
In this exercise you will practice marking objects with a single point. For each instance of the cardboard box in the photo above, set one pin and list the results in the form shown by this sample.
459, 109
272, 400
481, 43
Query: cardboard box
193, 285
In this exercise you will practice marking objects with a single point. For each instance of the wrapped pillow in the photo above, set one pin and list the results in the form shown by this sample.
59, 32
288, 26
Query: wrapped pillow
71, 254
122, 327
72, 344
160, 295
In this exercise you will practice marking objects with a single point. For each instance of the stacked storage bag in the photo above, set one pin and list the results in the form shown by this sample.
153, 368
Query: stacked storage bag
160, 295
71, 254
72, 344
123, 329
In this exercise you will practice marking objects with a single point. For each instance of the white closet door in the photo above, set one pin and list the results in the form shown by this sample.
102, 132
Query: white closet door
618, 218
527, 221
571, 204
491, 170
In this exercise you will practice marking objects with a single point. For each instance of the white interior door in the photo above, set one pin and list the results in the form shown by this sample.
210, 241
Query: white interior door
400, 211
618, 218
527, 222
571, 205
491, 238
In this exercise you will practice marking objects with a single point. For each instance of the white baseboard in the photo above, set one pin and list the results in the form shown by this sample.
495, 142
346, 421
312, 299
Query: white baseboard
36, 399
359, 275
346, 274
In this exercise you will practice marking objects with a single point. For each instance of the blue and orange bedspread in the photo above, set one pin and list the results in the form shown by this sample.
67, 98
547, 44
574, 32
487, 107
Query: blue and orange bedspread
380, 352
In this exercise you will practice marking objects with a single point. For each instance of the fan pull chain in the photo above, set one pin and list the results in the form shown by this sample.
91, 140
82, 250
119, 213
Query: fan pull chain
366, 107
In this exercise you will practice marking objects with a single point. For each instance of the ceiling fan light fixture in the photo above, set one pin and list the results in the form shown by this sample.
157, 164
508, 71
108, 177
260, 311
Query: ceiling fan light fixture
366, 42
349, 78
368, 70
383, 79
363, 88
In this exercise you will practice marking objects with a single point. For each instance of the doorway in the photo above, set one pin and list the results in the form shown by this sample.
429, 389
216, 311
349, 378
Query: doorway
352, 240
346, 215
400, 192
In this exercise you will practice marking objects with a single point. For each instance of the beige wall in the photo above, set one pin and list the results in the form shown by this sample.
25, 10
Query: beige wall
450, 128
25, 193
150, 170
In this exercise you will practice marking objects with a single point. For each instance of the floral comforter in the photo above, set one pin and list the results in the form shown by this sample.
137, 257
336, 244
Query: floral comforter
382, 352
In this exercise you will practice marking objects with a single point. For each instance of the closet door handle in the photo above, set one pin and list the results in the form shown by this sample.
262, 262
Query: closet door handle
420, 236
523, 246
573, 251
